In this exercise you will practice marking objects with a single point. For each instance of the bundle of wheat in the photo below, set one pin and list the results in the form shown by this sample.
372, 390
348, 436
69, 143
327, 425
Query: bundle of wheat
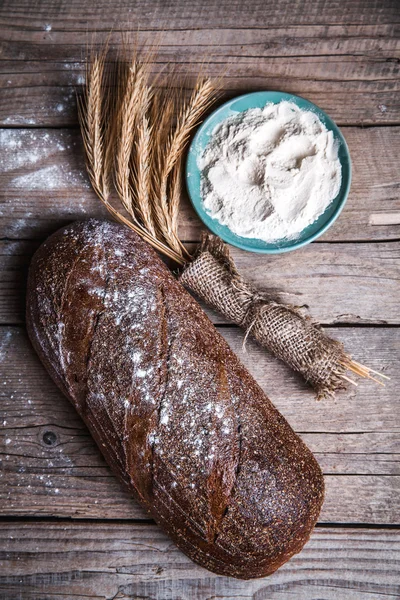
134, 135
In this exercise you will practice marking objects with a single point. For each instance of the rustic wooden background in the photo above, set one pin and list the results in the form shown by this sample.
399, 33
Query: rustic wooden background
67, 529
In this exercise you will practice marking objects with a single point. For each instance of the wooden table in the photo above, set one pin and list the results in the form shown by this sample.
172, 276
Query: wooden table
67, 528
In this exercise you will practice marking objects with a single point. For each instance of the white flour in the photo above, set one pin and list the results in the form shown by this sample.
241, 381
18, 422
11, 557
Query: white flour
269, 173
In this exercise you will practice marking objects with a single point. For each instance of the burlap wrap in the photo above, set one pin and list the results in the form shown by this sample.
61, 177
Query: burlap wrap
283, 330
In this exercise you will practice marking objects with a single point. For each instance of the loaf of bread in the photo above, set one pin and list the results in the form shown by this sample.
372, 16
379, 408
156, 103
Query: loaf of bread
176, 415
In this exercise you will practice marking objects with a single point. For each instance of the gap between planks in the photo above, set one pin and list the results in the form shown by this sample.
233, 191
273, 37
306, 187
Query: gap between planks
4, 518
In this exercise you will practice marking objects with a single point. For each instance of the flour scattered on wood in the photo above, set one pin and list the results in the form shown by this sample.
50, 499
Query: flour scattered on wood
55, 177
64, 103
39, 161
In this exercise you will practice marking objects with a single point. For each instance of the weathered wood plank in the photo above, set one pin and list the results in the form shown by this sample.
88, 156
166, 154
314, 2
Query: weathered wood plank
50, 465
110, 560
183, 14
52, 45
72, 480
340, 283
344, 60
43, 184
351, 90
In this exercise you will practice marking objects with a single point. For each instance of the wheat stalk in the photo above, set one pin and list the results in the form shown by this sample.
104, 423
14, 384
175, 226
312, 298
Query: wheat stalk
90, 108
175, 193
127, 114
189, 116
171, 142
141, 173
162, 115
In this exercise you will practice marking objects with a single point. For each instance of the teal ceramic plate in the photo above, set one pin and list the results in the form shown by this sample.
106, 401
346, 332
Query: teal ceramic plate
200, 141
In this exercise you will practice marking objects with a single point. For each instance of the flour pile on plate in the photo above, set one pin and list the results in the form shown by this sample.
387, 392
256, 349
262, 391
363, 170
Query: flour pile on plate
269, 173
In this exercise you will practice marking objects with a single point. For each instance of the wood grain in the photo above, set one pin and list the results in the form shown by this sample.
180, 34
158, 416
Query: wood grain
344, 59
38, 98
51, 466
78, 15
120, 561
43, 184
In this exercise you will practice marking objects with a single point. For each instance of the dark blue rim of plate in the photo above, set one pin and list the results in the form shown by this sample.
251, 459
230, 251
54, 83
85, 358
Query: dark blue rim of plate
193, 175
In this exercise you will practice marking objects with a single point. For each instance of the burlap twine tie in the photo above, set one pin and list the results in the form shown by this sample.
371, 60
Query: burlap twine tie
283, 330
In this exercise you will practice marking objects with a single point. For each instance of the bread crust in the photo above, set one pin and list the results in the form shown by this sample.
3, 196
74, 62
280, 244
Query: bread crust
178, 418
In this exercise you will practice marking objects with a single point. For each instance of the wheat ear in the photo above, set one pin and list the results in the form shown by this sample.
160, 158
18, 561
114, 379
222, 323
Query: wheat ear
133, 98
91, 113
162, 119
188, 117
141, 171
201, 99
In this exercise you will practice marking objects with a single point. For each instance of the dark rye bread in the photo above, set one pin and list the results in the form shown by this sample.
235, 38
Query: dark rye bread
176, 415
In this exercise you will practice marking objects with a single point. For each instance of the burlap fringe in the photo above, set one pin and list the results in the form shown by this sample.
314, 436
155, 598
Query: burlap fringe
283, 330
